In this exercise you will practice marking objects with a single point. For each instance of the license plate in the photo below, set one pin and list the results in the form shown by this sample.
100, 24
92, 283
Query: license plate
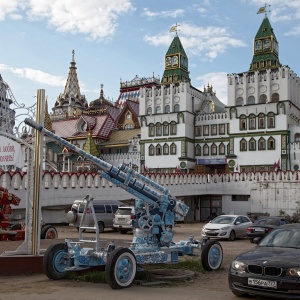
263, 283
121, 219
211, 232
259, 229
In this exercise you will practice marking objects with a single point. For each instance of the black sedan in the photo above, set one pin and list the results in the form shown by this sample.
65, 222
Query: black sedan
263, 226
272, 268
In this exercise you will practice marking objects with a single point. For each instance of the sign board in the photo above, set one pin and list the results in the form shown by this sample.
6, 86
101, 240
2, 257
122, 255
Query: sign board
10, 153
212, 161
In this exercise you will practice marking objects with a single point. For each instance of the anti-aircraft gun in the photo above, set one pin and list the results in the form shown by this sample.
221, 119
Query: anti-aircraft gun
156, 213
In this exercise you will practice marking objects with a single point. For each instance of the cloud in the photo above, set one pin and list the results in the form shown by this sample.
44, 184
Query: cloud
35, 76
10, 7
207, 42
93, 18
163, 14
294, 32
218, 81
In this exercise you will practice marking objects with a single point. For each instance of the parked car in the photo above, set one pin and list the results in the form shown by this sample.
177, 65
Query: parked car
263, 226
227, 227
104, 210
272, 268
123, 219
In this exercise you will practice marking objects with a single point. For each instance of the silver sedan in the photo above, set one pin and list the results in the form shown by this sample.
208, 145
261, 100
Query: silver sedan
227, 227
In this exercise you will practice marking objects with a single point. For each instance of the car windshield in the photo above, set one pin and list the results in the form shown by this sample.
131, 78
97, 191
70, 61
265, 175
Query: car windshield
267, 222
288, 238
222, 220
123, 211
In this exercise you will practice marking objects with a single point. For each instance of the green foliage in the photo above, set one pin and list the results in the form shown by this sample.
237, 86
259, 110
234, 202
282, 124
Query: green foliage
281, 212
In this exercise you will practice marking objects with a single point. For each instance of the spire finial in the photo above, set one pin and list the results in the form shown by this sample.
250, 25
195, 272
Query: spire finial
73, 54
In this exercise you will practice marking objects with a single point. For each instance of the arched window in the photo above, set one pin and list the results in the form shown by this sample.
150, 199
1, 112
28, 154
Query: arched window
252, 122
128, 116
173, 149
165, 128
198, 150
151, 130
158, 129
158, 109
271, 120
128, 126
166, 149
251, 100
297, 137
271, 144
167, 109
243, 122
261, 144
149, 111
263, 98
173, 130
176, 108
213, 149
275, 97
205, 150
221, 149
151, 150
243, 145
239, 101
252, 144
158, 149
261, 121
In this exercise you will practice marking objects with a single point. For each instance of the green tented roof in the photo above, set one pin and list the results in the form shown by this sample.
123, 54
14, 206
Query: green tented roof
265, 29
176, 47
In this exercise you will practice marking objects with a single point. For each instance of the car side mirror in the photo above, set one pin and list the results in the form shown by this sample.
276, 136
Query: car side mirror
237, 222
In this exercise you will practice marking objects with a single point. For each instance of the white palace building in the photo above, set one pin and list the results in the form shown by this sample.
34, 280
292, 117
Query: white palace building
241, 158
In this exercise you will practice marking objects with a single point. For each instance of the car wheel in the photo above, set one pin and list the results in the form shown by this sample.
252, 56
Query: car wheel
232, 235
54, 262
49, 232
120, 268
123, 231
212, 255
101, 227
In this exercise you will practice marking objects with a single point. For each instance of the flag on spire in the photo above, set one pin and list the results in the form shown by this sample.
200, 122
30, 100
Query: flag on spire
262, 10
173, 28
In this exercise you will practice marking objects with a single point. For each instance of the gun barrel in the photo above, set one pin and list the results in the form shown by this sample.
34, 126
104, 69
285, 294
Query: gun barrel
125, 177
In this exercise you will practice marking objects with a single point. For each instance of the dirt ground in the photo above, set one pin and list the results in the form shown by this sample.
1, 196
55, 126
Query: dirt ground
209, 284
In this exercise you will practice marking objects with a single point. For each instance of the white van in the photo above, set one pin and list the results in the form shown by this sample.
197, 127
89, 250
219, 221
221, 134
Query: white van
123, 219
104, 210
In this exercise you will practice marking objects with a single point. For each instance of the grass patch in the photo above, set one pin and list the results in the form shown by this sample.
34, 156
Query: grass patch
145, 275
187, 263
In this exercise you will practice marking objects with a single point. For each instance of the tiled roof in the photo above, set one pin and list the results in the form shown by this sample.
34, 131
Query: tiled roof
122, 136
67, 128
134, 107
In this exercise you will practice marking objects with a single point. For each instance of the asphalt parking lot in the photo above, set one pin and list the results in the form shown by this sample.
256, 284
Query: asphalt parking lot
211, 285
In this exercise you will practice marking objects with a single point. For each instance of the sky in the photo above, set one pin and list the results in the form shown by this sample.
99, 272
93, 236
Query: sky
115, 40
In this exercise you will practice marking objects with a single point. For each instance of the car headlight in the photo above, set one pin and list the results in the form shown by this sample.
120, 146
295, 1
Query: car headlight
238, 266
294, 272
225, 228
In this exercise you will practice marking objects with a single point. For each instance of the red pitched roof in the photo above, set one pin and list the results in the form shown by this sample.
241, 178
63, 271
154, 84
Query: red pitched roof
103, 125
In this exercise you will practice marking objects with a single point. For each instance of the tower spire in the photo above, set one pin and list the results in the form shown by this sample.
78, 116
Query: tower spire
266, 49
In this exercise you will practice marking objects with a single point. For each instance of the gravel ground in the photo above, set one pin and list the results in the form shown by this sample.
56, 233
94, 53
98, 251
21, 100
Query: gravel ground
210, 285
